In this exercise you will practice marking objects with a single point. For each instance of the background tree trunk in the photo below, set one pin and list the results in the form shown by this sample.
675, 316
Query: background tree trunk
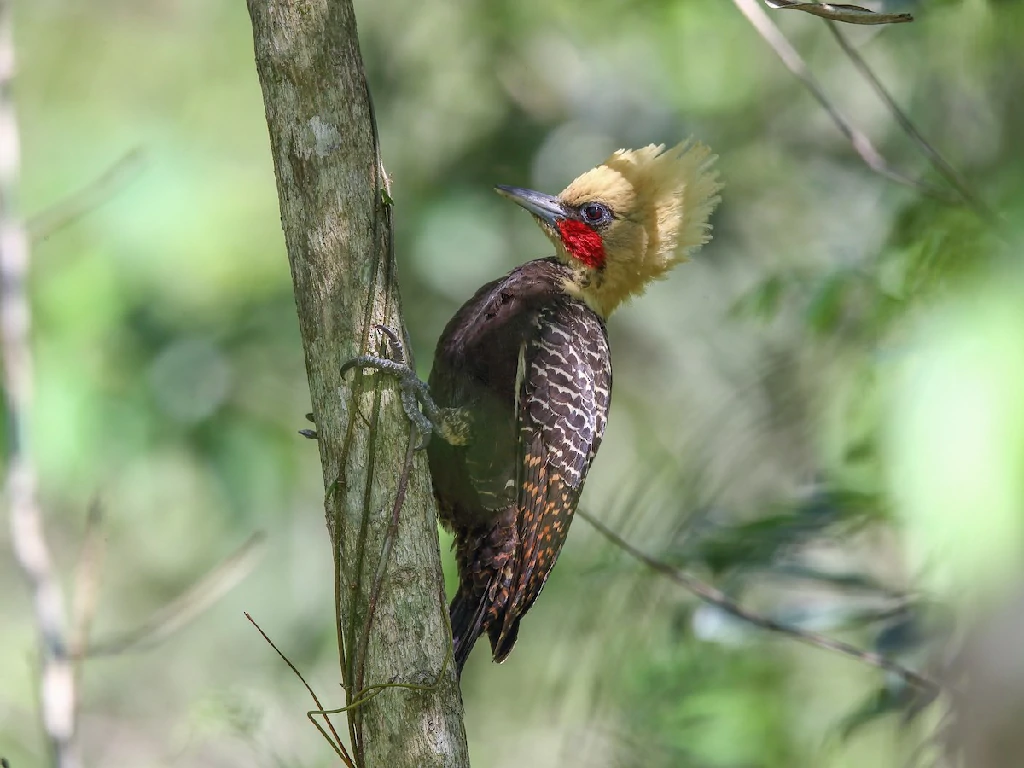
336, 220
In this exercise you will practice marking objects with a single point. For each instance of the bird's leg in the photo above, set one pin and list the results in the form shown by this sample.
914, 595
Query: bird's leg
414, 393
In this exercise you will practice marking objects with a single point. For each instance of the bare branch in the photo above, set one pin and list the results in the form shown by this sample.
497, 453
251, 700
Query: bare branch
862, 145
333, 738
57, 689
714, 596
382, 564
948, 172
190, 604
87, 199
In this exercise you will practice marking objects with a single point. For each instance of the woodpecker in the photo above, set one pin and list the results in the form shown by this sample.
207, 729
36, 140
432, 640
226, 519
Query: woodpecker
522, 377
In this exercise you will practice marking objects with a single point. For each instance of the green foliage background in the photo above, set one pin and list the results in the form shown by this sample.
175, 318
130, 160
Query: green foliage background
839, 329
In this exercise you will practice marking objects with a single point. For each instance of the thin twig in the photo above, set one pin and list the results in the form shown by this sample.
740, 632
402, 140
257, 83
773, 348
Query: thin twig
714, 596
385, 555
57, 680
87, 199
383, 226
346, 632
355, 718
862, 145
335, 742
361, 695
947, 171
371, 691
184, 608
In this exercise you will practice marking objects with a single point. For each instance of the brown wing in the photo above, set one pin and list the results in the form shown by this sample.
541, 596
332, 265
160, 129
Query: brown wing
476, 484
475, 370
564, 394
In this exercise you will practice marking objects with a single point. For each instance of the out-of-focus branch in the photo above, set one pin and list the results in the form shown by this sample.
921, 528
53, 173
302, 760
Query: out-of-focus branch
184, 608
862, 145
947, 171
57, 687
714, 596
87, 199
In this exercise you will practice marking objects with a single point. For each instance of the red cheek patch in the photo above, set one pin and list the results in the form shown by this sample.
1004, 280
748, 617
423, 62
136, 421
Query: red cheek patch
582, 242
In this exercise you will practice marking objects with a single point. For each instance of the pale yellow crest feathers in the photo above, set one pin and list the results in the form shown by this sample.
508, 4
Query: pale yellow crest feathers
663, 200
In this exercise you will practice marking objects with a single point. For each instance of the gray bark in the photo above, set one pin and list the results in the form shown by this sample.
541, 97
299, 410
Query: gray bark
336, 226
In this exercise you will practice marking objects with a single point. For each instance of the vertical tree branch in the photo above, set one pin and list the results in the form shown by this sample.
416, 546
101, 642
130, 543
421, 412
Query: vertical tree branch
336, 221
57, 689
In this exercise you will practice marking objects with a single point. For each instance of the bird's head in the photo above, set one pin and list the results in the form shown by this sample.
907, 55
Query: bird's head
629, 220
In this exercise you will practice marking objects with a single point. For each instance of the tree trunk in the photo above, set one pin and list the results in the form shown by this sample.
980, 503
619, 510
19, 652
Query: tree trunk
335, 212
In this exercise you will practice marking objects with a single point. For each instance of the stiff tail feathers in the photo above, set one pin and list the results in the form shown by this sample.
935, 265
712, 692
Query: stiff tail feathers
468, 611
548, 506
486, 564
503, 637
508, 565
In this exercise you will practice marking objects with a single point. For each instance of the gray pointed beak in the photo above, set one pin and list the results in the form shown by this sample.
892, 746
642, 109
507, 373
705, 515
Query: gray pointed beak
547, 208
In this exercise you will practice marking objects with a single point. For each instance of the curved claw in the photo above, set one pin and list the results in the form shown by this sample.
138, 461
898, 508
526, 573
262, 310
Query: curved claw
417, 403
392, 365
394, 343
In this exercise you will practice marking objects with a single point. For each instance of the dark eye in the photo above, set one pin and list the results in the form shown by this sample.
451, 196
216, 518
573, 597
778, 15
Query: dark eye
594, 212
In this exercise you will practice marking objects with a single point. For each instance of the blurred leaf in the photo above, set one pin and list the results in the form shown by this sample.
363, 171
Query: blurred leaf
751, 544
756, 543
882, 702
825, 310
762, 301
843, 503
861, 450
842, 580
903, 635
848, 14
932, 246
710, 704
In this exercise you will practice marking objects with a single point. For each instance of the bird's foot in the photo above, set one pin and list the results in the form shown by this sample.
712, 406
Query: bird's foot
414, 392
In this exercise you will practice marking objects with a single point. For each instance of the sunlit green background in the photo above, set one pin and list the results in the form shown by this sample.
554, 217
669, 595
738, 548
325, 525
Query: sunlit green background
840, 329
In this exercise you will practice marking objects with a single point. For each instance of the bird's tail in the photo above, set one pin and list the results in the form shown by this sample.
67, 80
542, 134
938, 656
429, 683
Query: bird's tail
503, 637
468, 611
486, 557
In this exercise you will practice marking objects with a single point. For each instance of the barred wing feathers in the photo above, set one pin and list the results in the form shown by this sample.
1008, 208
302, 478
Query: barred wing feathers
563, 398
